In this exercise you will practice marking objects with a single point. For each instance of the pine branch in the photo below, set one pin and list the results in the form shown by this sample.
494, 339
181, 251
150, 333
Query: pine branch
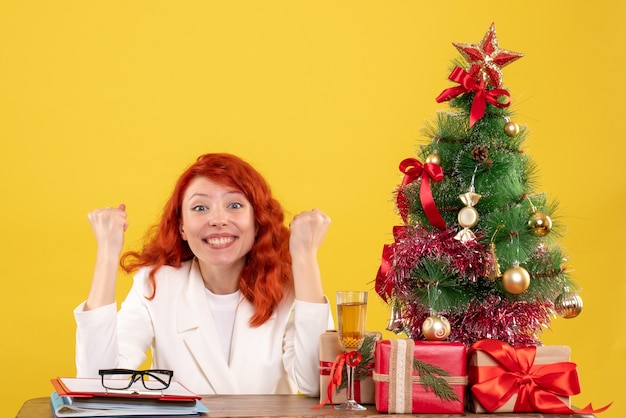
435, 285
367, 357
431, 380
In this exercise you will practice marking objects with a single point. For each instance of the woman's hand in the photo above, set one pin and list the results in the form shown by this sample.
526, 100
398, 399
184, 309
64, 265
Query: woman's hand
308, 230
108, 226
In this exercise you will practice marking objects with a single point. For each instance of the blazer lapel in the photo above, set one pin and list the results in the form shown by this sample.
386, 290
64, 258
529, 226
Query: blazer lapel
196, 324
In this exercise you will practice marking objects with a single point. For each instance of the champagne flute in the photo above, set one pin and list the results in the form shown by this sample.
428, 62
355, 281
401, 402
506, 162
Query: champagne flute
351, 308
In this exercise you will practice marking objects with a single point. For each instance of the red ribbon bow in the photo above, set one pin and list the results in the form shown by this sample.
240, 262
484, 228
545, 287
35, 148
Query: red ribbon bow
468, 84
352, 358
537, 386
384, 284
413, 169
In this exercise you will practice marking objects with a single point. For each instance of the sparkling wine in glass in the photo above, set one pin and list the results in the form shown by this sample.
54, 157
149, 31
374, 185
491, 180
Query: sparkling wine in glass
351, 309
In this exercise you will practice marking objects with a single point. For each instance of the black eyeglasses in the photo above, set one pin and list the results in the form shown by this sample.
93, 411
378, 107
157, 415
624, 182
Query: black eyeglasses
120, 379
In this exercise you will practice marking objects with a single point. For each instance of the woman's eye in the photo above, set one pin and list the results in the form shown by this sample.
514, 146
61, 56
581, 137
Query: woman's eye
236, 205
199, 208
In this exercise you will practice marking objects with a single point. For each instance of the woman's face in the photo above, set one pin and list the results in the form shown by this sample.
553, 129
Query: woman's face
217, 223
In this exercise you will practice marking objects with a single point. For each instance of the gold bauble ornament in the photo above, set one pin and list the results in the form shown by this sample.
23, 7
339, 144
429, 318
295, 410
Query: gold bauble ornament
511, 128
540, 223
515, 279
568, 305
436, 328
433, 158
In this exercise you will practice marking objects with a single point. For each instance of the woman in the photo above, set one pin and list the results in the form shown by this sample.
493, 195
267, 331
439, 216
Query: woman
224, 293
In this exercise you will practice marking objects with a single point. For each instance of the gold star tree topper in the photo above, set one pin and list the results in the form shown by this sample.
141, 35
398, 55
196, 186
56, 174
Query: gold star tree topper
488, 56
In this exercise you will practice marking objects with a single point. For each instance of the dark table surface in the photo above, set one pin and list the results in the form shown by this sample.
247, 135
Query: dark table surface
280, 406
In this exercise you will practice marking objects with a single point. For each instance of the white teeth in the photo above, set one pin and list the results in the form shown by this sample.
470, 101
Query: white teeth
220, 241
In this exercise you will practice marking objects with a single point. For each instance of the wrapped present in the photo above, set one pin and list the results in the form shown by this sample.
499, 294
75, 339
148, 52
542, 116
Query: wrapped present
525, 379
332, 388
419, 377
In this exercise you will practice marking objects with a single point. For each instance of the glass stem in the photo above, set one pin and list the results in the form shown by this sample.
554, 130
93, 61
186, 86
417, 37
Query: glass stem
350, 388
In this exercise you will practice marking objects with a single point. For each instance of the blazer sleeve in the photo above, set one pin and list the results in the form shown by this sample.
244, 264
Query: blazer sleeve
301, 344
108, 339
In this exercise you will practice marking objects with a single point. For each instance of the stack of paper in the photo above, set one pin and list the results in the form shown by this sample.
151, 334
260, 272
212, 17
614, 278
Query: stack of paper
75, 397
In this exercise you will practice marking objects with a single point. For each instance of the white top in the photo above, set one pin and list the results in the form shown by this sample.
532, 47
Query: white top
224, 308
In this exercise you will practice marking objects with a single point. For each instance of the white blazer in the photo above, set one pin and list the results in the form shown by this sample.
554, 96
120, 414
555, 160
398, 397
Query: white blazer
280, 356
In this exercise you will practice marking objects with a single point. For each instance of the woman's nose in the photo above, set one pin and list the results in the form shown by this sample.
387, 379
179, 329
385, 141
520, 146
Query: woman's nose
217, 217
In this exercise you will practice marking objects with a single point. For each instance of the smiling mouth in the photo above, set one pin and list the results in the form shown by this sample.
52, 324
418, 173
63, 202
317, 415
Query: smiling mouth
219, 241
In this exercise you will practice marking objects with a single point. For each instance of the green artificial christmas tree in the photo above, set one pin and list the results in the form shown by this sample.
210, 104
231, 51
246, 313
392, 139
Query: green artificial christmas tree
477, 255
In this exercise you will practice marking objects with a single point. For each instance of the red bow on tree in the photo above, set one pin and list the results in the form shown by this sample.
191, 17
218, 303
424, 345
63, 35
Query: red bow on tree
467, 84
384, 283
413, 169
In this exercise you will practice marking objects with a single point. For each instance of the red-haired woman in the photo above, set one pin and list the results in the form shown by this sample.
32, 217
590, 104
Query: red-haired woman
224, 294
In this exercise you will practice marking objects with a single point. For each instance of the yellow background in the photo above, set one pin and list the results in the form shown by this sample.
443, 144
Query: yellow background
103, 102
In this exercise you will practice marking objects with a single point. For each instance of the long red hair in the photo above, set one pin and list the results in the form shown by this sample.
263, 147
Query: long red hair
266, 276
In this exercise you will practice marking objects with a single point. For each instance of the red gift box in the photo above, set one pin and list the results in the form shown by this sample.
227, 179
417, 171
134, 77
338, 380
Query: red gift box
400, 389
525, 379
